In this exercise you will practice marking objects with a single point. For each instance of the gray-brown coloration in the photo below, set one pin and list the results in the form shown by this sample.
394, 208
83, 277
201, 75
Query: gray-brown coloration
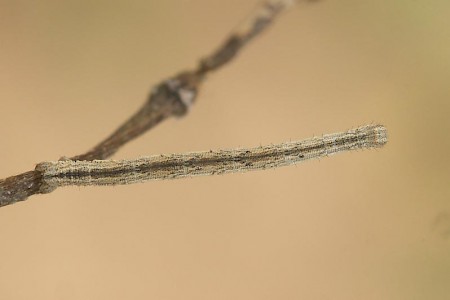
172, 97
173, 166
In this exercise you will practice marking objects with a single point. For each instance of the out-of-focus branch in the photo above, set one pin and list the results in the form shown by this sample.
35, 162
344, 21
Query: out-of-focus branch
172, 97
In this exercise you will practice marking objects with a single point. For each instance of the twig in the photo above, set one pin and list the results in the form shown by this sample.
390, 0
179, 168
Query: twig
172, 97
173, 166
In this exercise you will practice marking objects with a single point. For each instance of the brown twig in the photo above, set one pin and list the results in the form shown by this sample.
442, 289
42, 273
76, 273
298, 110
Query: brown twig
172, 97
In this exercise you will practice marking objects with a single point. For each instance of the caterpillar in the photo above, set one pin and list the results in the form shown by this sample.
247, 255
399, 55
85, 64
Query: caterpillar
173, 166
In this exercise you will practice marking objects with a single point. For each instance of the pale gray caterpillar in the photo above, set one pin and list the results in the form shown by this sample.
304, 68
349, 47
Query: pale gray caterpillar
172, 166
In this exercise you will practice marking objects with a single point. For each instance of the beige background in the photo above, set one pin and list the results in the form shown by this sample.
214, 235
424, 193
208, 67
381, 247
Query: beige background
363, 225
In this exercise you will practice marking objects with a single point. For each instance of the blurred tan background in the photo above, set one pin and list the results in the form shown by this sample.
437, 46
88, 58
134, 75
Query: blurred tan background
363, 225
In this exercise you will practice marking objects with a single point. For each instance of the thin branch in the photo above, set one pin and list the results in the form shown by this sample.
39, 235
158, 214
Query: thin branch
172, 97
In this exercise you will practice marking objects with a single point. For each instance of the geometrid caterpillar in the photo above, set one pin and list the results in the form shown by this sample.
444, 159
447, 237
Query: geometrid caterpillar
172, 166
